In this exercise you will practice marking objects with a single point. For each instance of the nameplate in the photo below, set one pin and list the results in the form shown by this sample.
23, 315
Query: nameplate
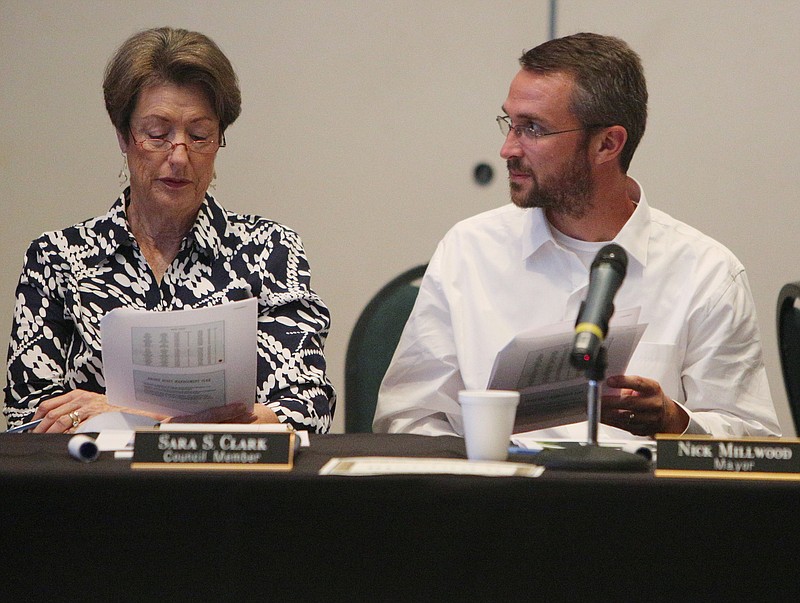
213, 450
735, 458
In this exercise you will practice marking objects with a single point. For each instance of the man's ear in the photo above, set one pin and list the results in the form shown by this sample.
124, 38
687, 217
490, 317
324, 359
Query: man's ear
609, 143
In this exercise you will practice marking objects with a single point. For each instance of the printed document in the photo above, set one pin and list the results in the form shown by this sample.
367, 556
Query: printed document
553, 392
182, 361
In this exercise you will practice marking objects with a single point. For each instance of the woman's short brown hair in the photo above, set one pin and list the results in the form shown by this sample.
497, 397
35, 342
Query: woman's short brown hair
167, 55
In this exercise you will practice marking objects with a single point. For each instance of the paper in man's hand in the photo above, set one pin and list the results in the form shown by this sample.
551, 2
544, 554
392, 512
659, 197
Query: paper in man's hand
553, 392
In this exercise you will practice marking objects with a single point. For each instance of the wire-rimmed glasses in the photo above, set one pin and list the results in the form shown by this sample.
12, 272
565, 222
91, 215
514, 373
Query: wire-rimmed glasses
204, 146
533, 131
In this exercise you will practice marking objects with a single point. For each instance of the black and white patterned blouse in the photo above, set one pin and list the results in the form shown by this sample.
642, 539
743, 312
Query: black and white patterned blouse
73, 277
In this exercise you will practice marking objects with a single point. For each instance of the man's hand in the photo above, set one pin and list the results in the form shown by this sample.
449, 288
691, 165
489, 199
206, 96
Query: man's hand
641, 407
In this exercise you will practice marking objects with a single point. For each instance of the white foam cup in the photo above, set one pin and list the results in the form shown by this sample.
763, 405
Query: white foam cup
488, 422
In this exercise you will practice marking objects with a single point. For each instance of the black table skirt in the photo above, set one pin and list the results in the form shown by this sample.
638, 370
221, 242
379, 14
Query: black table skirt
102, 531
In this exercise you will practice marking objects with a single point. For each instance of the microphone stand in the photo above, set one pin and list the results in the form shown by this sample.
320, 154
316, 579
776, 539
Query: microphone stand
595, 374
591, 456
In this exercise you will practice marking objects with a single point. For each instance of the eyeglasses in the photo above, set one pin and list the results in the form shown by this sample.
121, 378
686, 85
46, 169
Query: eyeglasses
532, 131
205, 146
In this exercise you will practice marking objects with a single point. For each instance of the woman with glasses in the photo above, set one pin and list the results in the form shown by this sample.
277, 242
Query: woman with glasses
166, 244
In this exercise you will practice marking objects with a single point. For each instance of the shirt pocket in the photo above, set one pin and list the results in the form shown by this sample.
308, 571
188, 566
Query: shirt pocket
661, 362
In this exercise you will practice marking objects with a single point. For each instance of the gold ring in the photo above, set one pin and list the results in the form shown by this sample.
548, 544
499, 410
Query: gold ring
76, 418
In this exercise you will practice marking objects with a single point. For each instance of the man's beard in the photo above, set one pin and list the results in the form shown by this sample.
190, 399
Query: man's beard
568, 193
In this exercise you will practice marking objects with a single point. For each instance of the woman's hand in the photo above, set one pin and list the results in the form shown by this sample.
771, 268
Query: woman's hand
64, 413
230, 413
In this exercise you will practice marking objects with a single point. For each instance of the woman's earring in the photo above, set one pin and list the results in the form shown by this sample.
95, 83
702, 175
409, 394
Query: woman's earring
123, 173
213, 184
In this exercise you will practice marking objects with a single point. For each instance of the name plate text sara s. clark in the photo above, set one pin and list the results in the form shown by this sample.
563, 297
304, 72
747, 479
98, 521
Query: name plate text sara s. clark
215, 447
731, 458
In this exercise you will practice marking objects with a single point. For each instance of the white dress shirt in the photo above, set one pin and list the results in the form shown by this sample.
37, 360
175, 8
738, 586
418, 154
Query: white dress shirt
502, 272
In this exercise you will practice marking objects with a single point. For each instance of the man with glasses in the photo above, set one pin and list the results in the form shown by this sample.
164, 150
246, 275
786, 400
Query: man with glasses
574, 115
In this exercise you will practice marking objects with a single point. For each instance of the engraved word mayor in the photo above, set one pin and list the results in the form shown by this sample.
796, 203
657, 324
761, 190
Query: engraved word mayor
212, 448
734, 456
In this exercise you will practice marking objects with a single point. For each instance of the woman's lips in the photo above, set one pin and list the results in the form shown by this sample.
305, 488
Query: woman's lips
175, 182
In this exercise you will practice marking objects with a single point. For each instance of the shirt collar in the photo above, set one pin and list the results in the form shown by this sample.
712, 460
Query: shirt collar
536, 232
112, 230
633, 237
209, 228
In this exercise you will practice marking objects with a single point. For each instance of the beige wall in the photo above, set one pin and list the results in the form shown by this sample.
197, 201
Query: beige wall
362, 122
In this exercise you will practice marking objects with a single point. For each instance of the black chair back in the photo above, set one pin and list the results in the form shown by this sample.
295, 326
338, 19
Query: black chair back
372, 344
789, 346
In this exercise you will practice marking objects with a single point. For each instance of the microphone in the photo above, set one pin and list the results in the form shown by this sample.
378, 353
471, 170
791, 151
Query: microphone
605, 277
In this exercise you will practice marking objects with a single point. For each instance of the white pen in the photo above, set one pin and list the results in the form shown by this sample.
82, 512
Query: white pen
24, 427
